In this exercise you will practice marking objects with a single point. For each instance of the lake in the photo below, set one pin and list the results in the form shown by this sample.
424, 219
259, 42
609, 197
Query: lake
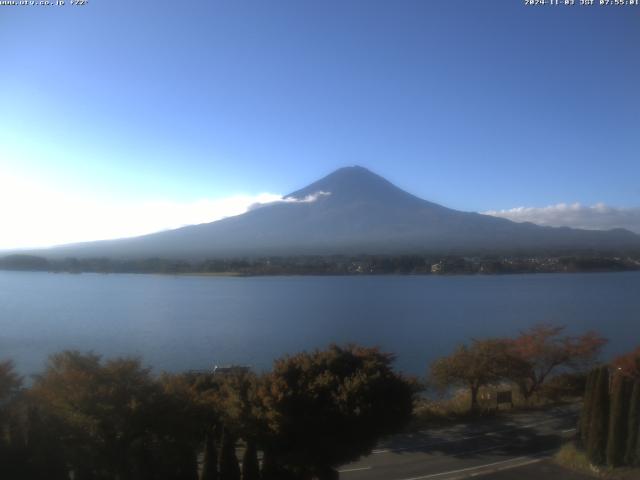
188, 322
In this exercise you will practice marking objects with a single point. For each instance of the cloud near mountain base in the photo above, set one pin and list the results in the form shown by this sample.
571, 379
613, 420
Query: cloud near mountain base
308, 199
595, 217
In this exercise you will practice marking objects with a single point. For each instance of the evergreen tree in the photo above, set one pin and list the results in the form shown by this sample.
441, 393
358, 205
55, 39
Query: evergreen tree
187, 464
229, 468
272, 469
250, 466
210, 462
598, 426
586, 413
329, 407
616, 444
269, 470
12, 441
631, 456
46, 456
103, 410
83, 472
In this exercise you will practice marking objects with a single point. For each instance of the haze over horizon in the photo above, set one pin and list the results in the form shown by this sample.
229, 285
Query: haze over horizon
151, 217
192, 113
350, 211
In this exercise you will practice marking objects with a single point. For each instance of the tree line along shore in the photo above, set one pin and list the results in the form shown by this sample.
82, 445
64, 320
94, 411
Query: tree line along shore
87, 418
336, 264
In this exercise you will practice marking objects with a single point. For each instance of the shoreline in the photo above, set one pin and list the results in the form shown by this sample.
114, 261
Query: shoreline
232, 274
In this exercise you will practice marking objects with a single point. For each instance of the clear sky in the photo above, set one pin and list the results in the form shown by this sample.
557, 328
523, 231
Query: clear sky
120, 117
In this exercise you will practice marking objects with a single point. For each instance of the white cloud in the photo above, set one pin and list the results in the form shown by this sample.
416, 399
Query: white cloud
308, 199
595, 217
34, 215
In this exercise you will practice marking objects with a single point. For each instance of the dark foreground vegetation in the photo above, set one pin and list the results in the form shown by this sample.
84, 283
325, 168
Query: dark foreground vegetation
335, 265
607, 444
89, 419
610, 422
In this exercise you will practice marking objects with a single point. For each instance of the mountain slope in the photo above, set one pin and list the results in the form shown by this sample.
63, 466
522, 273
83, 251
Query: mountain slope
352, 211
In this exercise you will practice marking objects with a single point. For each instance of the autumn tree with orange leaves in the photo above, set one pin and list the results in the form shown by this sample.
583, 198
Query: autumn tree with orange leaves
629, 364
543, 349
473, 366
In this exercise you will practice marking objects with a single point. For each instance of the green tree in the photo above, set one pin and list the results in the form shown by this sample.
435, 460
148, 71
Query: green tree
229, 468
598, 426
587, 406
210, 460
12, 435
10, 382
243, 415
271, 469
628, 365
10, 390
187, 416
482, 363
46, 456
631, 456
329, 407
618, 421
107, 412
250, 465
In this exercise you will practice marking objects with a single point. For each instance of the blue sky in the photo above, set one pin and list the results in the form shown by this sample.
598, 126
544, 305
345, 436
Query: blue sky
476, 105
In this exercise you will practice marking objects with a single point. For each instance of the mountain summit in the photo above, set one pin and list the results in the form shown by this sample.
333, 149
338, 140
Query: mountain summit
355, 184
353, 211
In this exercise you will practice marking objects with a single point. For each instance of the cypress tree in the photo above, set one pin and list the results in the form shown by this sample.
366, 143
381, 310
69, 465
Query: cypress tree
598, 426
84, 473
250, 466
585, 416
631, 456
270, 470
210, 463
188, 468
229, 468
617, 437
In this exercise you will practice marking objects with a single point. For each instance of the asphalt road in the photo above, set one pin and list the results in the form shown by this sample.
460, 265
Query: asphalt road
508, 447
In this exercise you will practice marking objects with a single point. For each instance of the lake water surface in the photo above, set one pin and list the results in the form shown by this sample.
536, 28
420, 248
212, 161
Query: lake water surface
189, 322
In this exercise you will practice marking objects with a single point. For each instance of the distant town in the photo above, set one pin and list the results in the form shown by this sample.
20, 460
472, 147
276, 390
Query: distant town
334, 265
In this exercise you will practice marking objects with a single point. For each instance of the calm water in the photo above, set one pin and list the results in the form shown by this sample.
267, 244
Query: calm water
185, 322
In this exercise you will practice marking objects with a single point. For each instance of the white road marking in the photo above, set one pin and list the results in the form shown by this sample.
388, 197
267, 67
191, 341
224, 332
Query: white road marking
569, 430
466, 452
470, 437
477, 467
347, 470
521, 464
508, 467
528, 460
379, 451
539, 423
